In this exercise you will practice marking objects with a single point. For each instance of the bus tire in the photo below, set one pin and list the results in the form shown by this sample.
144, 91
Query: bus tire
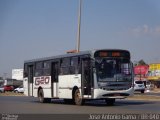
41, 96
110, 102
78, 100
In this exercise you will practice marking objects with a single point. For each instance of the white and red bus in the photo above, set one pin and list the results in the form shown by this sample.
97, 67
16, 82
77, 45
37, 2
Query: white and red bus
97, 74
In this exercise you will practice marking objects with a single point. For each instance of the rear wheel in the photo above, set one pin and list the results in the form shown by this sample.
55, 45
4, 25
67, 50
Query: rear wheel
110, 101
78, 98
41, 97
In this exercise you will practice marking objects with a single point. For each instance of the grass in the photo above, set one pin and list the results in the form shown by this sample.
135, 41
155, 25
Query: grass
11, 94
144, 97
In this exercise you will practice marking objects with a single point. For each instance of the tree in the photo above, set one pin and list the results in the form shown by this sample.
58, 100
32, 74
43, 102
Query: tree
141, 62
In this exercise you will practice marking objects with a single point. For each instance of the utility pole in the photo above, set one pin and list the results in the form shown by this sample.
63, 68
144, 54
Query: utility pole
79, 26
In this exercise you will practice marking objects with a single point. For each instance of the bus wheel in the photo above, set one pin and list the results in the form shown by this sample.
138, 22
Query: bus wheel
110, 101
41, 96
78, 98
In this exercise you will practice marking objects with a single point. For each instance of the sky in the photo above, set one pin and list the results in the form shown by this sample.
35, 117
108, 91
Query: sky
32, 29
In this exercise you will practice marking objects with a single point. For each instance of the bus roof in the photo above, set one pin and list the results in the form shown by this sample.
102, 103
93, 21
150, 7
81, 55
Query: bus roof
58, 56
89, 52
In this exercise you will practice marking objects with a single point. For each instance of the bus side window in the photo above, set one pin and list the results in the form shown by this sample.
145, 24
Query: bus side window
39, 69
46, 68
25, 71
75, 65
64, 66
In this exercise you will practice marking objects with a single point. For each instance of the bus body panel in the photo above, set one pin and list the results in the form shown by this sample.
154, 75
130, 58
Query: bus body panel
55, 90
25, 85
45, 83
47, 93
66, 84
31, 89
35, 93
28, 87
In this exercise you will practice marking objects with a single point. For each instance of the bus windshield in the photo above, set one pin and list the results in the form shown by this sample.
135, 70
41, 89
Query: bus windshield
113, 69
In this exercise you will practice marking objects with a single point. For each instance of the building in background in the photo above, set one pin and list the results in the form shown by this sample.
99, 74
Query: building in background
15, 81
1, 81
17, 74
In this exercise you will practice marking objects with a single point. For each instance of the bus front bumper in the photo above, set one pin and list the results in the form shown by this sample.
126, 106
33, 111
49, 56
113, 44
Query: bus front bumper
102, 94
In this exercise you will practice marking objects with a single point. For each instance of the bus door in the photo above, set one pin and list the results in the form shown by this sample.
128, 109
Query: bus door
86, 77
54, 79
30, 80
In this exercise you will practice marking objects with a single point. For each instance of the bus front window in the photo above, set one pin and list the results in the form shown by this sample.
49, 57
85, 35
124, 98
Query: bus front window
113, 69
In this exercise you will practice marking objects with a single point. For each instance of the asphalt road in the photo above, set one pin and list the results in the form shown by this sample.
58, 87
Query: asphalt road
30, 105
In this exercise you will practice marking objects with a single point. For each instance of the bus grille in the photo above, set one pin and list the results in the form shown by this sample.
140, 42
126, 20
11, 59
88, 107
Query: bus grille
115, 86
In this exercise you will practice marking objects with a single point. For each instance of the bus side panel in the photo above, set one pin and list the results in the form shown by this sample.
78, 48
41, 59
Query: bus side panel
45, 83
28, 88
66, 84
47, 93
25, 85
35, 92
55, 90
31, 89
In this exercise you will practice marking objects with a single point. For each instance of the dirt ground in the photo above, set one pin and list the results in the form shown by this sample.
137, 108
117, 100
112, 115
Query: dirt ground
11, 94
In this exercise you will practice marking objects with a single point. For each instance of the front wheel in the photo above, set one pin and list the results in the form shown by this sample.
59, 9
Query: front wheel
78, 98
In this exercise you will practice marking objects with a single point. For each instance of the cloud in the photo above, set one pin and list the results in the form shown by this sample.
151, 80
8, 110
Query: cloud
157, 30
144, 30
